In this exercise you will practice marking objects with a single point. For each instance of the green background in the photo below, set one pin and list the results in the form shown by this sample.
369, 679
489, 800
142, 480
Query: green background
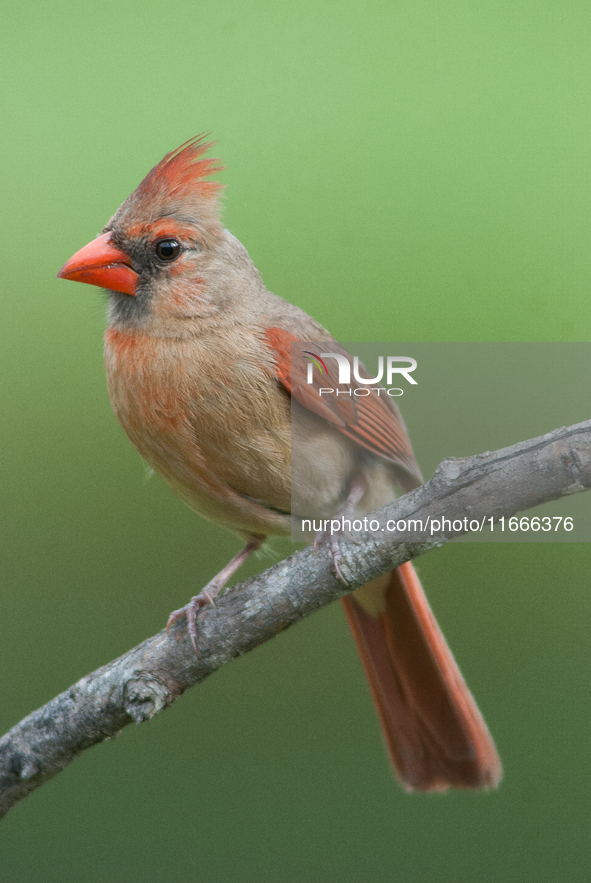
401, 170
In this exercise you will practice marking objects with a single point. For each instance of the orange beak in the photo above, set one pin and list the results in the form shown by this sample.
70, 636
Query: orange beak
100, 263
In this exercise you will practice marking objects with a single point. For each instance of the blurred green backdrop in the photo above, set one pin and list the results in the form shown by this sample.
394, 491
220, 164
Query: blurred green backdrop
402, 170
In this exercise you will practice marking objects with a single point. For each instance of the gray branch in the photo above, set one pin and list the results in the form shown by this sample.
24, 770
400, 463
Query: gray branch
138, 685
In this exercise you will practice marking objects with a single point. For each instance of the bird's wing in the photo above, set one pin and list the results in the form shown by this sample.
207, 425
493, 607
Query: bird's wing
371, 420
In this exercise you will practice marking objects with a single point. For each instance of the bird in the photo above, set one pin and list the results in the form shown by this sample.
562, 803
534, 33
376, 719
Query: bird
207, 374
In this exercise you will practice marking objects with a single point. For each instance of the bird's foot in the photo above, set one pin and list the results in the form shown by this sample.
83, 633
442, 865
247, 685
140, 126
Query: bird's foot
335, 549
339, 527
190, 610
211, 591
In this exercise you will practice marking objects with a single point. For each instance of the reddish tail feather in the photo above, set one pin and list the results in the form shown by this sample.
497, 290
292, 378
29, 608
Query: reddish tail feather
435, 734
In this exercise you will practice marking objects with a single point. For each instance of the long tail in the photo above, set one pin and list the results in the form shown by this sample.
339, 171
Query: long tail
435, 734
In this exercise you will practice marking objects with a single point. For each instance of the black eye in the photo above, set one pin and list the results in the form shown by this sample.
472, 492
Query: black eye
168, 250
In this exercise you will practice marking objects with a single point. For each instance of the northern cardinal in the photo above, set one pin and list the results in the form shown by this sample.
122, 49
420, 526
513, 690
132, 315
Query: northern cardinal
201, 377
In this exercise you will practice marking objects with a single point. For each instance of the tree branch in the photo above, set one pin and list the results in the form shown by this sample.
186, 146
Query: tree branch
138, 685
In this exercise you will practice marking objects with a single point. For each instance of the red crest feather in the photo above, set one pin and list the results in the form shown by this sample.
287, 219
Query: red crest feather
181, 172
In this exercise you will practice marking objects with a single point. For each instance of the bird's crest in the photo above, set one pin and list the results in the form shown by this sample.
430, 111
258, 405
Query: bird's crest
175, 186
181, 172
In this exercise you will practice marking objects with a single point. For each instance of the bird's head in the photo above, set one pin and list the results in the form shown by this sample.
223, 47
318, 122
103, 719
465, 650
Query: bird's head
156, 254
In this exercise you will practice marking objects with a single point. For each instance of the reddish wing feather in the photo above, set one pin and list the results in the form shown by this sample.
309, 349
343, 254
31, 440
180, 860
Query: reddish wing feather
372, 421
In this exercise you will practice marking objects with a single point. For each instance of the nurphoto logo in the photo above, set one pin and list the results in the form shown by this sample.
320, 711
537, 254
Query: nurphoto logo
395, 365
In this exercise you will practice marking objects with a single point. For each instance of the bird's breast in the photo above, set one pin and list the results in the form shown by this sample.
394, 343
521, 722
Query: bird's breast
209, 417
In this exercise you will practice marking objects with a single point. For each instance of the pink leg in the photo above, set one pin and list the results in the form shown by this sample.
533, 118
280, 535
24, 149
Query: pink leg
212, 590
356, 492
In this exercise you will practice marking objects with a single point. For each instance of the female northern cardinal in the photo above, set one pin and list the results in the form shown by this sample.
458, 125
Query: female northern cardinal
199, 372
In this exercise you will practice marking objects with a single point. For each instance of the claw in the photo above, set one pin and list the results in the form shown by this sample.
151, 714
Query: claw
337, 569
209, 599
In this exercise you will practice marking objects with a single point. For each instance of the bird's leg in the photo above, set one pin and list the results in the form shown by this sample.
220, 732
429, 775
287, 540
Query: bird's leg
347, 512
212, 590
